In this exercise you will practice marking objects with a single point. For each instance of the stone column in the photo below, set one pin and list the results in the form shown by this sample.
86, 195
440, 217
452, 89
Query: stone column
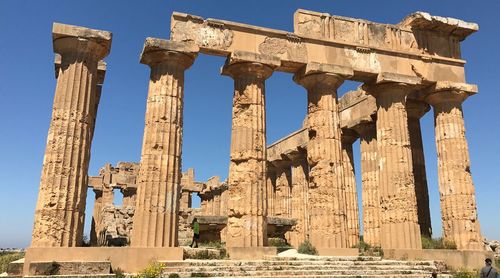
271, 189
96, 216
415, 111
327, 203
60, 210
399, 227
348, 138
456, 189
157, 207
129, 194
369, 182
283, 184
247, 206
185, 200
300, 212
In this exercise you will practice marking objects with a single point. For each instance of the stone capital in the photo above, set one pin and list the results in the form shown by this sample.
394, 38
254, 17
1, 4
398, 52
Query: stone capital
416, 109
313, 75
449, 92
160, 51
101, 69
364, 128
241, 63
281, 164
348, 136
394, 83
70, 39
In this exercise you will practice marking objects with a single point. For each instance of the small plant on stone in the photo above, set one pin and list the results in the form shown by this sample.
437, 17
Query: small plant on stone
437, 243
153, 270
307, 248
465, 273
118, 272
52, 269
7, 257
280, 243
173, 275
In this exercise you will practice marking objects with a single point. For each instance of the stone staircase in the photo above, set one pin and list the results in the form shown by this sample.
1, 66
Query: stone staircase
279, 267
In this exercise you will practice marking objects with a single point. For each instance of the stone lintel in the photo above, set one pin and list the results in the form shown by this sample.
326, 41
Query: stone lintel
281, 221
313, 67
209, 219
446, 25
388, 77
296, 154
62, 31
283, 163
95, 182
159, 50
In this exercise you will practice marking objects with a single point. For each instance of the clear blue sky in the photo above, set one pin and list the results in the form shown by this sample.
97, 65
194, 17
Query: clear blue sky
27, 87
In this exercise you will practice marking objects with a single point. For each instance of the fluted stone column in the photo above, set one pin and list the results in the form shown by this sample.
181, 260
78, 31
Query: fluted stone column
348, 138
271, 189
456, 189
283, 188
369, 181
96, 216
185, 202
399, 227
327, 202
247, 205
157, 203
60, 210
415, 111
299, 202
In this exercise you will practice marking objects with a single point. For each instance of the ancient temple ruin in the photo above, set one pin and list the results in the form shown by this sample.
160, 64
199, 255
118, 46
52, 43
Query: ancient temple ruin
303, 186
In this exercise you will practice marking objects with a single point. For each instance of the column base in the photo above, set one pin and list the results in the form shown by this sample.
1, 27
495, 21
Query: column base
251, 253
129, 259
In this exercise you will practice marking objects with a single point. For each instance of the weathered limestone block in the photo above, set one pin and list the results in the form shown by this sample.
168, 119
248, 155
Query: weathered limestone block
416, 110
327, 202
60, 208
247, 202
370, 186
115, 225
157, 206
457, 194
299, 198
399, 227
348, 138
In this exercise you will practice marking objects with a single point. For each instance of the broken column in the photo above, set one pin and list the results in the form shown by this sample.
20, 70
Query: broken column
456, 189
415, 111
157, 207
348, 138
399, 227
299, 209
60, 209
247, 205
327, 204
369, 182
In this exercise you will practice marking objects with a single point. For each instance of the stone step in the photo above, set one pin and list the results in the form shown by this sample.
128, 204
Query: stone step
69, 268
224, 273
324, 258
294, 267
220, 263
298, 274
73, 276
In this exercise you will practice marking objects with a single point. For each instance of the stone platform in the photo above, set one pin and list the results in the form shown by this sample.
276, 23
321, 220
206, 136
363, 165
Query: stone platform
129, 259
317, 266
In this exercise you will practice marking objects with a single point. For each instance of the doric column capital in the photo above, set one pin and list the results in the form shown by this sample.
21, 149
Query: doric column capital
365, 128
241, 63
416, 109
316, 75
281, 164
101, 68
392, 83
297, 156
449, 92
70, 39
159, 51
348, 136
